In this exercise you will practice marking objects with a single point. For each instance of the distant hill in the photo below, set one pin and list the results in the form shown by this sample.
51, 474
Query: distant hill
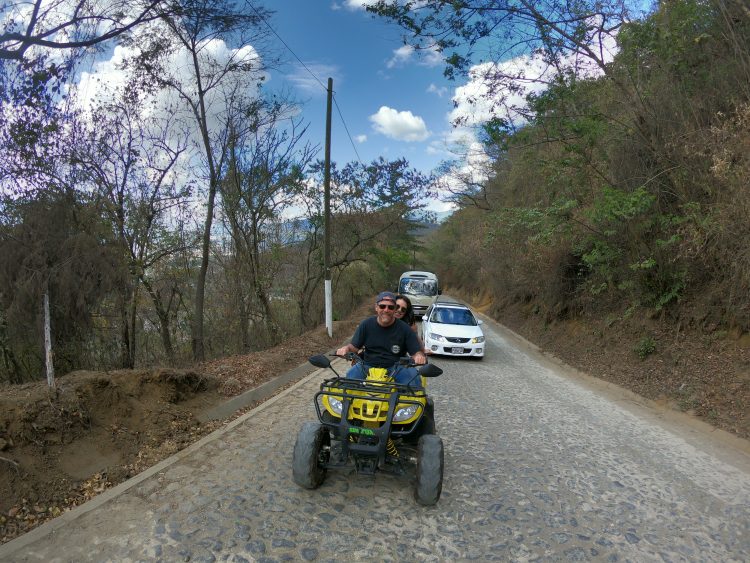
443, 215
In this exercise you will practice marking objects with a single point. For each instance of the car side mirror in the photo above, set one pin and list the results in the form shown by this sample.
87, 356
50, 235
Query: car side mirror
320, 361
440, 291
429, 370
480, 321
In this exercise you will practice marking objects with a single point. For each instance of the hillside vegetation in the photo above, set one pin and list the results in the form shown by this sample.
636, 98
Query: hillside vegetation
626, 194
621, 208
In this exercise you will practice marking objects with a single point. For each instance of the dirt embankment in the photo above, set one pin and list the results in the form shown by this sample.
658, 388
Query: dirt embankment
705, 373
60, 449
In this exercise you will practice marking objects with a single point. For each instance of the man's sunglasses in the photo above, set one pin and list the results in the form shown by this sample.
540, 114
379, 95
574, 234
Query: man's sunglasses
382, 306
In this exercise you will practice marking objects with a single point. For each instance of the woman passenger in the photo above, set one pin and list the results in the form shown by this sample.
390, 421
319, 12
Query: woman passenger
405, 312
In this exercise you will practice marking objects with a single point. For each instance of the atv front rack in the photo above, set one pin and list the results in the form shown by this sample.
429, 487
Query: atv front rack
368, 442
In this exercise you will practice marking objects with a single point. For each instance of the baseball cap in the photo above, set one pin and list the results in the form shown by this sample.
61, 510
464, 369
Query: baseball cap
385, 296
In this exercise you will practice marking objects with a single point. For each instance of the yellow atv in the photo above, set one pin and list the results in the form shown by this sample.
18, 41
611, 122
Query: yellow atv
388, 427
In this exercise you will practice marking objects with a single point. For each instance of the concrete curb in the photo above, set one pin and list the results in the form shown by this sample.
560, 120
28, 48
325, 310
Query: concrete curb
303, 373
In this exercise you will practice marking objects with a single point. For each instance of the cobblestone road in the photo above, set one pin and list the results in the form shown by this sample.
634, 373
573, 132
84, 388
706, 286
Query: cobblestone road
539, 466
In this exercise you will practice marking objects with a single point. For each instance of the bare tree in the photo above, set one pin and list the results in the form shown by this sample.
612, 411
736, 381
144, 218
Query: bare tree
264, 178
66, 24
205, 55
129, 158
374, 209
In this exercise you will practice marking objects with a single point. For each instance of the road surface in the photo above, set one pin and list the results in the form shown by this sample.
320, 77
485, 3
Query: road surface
541, 465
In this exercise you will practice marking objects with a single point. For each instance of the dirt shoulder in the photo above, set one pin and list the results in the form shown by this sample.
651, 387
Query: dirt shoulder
58, 450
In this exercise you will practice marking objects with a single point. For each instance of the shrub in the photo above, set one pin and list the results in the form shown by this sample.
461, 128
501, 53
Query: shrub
645, 347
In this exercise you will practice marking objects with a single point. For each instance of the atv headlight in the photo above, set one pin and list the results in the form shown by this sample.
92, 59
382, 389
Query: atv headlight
335, 404
477, 340
405, 413
436, 337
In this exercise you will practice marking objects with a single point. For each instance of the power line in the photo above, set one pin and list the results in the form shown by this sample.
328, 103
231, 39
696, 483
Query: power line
338, 109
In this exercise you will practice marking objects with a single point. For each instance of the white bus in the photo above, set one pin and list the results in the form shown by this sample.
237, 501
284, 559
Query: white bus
421, 288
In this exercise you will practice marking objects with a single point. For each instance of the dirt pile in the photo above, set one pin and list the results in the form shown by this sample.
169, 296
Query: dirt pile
60, 448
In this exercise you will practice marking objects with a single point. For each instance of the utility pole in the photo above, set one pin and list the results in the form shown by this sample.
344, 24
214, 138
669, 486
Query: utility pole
327, 218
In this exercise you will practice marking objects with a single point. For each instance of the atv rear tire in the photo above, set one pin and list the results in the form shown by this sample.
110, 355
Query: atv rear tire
311, 453
430, 462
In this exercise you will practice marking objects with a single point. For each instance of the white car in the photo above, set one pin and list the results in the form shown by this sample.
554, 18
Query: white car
451, 329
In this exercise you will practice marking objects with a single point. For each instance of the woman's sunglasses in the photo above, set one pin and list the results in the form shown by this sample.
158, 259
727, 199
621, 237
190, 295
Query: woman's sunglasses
402, 309
382, 306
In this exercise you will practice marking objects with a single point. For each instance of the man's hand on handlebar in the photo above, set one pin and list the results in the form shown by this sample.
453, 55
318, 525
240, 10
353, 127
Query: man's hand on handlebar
419, 359
344, 350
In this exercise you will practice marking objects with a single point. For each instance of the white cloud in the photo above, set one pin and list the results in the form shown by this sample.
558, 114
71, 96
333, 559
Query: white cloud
314, 78
361, 139
107, 78
399, 125
439, 147
440, 91
431, 56
437, 206
400, 56
358, 4
425, 57
500, 89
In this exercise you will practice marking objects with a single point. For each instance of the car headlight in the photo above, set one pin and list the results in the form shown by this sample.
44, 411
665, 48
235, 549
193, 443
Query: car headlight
405, 413
477, 339
335, 404
436, 337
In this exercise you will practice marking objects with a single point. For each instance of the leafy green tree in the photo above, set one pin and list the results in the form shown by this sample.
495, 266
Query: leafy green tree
55, 242
374, 211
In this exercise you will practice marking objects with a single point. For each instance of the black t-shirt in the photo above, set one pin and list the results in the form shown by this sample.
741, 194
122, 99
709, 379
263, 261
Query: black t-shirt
385, 345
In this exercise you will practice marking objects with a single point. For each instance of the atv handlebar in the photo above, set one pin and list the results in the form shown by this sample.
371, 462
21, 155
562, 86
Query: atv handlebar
426, 370
406, 361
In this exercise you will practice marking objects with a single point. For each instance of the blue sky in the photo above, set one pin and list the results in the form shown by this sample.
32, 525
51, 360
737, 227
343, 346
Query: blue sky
394, 102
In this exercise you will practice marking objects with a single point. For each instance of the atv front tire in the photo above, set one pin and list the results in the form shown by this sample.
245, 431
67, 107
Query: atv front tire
430, 462
311, 453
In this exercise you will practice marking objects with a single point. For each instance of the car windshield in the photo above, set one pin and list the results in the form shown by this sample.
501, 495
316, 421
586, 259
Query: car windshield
414, 286
453, 317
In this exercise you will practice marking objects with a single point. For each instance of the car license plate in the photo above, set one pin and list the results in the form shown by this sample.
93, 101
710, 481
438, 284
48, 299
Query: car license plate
457, 350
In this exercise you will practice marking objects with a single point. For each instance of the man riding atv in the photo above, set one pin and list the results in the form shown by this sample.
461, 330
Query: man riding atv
385, 339
379, 416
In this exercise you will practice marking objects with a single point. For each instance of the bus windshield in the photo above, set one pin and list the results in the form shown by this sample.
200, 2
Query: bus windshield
418, 286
